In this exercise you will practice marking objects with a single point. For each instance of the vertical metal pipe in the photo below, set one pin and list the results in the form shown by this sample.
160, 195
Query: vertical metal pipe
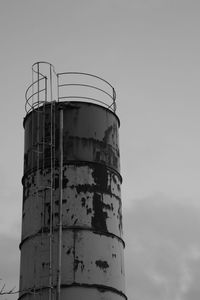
58, 96
37, 151
60, 206
51, 194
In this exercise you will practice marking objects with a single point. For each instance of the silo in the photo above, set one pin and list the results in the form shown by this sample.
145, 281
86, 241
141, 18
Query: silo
72, 245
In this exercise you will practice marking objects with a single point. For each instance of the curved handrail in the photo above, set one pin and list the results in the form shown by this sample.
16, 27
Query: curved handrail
87, 74
111, 95
82, 97
86, 85
107, 90
31, 86
43, 62
29, 106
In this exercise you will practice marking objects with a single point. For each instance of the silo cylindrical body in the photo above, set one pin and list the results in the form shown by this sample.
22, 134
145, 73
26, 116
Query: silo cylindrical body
92, 265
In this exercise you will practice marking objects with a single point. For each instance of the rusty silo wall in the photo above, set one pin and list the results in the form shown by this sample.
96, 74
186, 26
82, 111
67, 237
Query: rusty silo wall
92, 246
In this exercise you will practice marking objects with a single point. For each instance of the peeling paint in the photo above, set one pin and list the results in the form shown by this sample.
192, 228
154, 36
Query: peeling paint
92, 249
99, 218
100, 177
83, 200
65, 181
100, 142
89, 211
102, 264
77, 264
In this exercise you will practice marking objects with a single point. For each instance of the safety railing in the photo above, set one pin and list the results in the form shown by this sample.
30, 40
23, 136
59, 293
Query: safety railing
67, 86
80, 86
36, 94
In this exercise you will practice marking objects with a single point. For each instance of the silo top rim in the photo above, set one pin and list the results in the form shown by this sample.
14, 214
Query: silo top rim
48, 86
68, 103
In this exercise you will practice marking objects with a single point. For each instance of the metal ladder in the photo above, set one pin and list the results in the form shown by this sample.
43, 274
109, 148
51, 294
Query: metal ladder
45, 143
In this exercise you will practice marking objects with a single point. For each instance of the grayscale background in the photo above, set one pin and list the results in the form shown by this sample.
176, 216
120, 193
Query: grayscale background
150, 52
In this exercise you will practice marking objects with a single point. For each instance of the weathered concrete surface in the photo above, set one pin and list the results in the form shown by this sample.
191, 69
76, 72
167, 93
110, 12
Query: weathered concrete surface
88, 201
87, 259
90, 134
92, 235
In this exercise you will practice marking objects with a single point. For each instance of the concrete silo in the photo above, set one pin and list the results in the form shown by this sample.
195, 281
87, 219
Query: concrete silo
71, 245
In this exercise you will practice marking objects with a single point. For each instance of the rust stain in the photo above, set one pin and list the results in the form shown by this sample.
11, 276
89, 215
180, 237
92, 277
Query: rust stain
78, 263
65, 181
56, 182
120, 219
107, 133
69, 250
99, 218
89, 211
84, 188
75, 221
100, 176
83, 200
102, 264
97, 151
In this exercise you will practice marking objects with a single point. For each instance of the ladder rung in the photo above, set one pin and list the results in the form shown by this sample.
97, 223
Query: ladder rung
36, 151
44, 143
46, 187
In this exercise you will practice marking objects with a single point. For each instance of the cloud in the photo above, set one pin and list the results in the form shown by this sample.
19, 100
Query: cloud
191, 288
10, 212
9, 264
162, 249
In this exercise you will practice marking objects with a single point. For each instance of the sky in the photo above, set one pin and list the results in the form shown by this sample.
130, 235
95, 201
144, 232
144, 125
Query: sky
149, 51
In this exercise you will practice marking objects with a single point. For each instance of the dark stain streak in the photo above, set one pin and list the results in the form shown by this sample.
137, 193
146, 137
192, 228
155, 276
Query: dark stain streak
56, 182
56, 214
100, 176
108, 206
77, 263
84, 188
45, 264
83, 200
120, 219
99, 218
65, 181
118, 187
102, 264
89, 211
107, 134
69, 251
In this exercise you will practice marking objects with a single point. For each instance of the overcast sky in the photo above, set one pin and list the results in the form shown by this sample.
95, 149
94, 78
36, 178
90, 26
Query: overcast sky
149, 51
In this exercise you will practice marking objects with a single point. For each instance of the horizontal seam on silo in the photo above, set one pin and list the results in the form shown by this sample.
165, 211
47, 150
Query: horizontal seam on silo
100, 287
75, 162
72, 228
112, 195
74, 102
